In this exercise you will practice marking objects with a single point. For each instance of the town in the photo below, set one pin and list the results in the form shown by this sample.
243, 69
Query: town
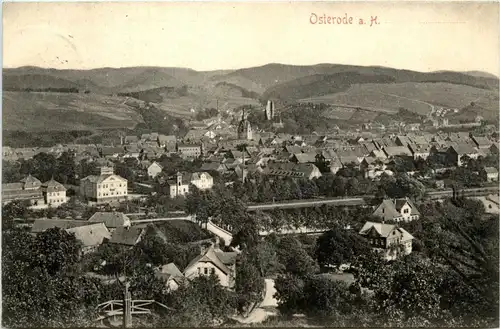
210, 164
250, 212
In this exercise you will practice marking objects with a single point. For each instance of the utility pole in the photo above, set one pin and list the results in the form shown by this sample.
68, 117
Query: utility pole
127, 307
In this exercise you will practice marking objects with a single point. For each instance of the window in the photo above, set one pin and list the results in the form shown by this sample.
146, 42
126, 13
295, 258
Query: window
212, 270
405, 211
205, 270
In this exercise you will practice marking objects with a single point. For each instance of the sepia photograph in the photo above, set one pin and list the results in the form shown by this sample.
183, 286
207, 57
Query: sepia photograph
250, 164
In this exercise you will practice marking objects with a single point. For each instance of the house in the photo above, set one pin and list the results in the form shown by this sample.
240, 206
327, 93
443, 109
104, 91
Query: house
91, 236
403, 141
171, 275
420, 151
457, 152
189, 150
301, 170
213, 166
54, 193
164, 140
482, 142
491, 174
216, 262
111, 220
397, 210
154, 169
335, 165
397, 151
127, 235
386, 238
131, 139
29, 189
202, 180
104, 188
309, 157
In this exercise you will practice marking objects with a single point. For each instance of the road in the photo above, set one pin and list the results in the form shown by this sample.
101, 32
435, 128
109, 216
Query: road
266, 307
354, 201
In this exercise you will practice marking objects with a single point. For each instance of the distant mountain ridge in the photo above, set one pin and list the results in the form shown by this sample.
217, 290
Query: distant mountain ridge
254, 79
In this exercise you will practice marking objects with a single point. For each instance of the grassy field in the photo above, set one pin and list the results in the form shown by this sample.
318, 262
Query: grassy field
65, 111
413, 96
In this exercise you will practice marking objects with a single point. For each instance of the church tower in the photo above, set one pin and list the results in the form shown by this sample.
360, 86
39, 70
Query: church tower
244, 128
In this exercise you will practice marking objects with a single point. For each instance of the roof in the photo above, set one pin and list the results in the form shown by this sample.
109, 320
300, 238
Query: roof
41, 225
397, 150
127, 235
101, 178
197, 176
91, 235
462, 148
110, 219
384, 230
30, 180
53, 186
305, 157
211, 166
228, 258
389, 209
171, 269
491, 170
210, 257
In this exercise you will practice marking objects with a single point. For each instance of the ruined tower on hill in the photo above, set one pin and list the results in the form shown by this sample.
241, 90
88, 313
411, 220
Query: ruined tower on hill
270, 110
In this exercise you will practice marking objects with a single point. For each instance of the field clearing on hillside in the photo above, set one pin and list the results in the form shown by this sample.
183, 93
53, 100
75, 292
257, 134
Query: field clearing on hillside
413, 96
65, 111
339, 113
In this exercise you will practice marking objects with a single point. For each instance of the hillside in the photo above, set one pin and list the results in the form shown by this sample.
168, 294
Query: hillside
115, 80
416, 97
65, 111
180, 92
35, 81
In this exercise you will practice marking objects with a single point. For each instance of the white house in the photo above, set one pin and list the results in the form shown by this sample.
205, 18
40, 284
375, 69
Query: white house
222, 264
397, 209
154, 169
54, 193
202, 180
491, 174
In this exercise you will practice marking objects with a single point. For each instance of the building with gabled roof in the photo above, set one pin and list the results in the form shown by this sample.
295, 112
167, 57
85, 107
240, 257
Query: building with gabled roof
111, 219
154, 169
387, 238
104, 188
91, 236
54, 193
171, 275
211, 261
397, 209
28, 189
127, 235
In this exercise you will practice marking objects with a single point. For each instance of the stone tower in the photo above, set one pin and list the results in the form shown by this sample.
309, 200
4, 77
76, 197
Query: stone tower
270, 110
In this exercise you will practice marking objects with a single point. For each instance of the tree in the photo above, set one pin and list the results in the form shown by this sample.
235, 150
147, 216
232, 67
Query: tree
289, 293
204, 302
41, 282
295, 259
338, 246
249, 282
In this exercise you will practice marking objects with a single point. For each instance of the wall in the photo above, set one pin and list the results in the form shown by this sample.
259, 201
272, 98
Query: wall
193, 272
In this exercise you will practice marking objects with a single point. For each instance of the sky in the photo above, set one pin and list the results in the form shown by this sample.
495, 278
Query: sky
209, 36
